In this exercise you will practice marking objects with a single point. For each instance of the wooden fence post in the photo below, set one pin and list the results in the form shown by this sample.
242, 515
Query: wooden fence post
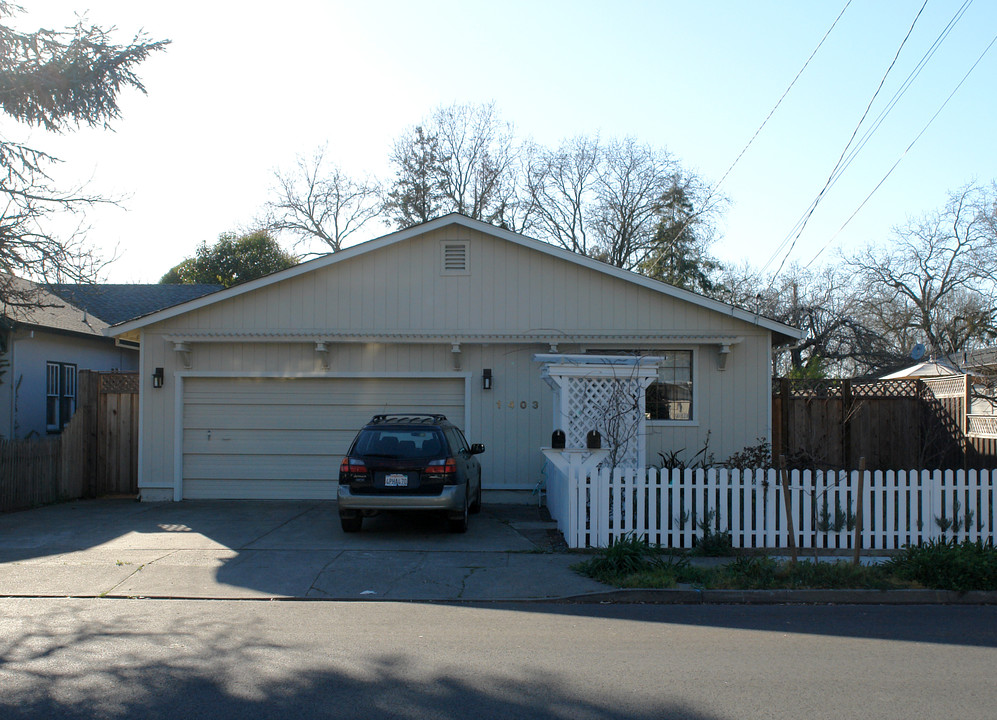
783, 419
859, 510
790, 525
967, 409
846, 424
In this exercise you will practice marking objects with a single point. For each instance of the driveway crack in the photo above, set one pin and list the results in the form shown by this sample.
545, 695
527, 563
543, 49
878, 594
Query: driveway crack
319, 574
463, 581
134, 572
246, 546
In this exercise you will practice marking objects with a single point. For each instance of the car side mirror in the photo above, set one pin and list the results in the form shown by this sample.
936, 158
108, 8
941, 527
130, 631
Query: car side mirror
477, 449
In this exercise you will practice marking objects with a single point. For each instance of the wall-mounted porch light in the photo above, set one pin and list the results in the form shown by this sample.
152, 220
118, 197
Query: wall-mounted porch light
322, 350
455, 352
157, 378
486, 379
723, 352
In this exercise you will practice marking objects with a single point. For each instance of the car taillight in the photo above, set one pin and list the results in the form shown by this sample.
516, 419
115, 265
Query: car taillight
445, 468
352, 468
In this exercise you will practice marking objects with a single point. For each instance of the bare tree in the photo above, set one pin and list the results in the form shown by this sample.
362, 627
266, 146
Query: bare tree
57, 80
318, 201
841, 340
937, 280
462, 159
561, 186
477, 158
631, 181
626, 203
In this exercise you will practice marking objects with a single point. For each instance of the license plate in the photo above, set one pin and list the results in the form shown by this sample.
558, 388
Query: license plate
396, 480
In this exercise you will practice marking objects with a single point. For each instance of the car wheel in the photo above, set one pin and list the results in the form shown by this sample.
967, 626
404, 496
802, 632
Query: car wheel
351, 524
459, 524
476, 505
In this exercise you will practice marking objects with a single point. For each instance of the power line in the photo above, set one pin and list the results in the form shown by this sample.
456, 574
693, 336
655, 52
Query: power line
783, 97
904, 87
904, 153
841, 158
713, 190
914, 74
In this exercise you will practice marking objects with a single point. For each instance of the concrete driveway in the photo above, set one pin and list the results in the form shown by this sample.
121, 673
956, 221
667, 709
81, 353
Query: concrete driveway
280, 549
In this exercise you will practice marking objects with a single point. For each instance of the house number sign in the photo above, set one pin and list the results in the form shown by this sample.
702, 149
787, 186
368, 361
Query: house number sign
523, 404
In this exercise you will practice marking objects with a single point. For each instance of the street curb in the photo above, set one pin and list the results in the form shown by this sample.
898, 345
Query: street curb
681, 596
787, 597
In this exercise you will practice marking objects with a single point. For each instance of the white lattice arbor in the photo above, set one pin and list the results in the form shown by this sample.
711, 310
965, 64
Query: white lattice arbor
604, 393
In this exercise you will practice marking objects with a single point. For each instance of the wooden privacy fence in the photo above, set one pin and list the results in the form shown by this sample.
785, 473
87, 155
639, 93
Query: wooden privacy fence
671, 508
96, 453
897, 423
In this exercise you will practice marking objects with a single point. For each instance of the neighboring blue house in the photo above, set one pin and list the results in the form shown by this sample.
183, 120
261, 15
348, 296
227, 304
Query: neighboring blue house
49, 333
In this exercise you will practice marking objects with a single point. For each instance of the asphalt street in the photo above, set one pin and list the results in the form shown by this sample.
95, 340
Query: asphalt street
119, 658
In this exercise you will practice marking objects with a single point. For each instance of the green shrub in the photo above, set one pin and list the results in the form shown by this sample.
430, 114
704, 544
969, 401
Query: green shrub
714, 544
631, 562
948, 565
756, 572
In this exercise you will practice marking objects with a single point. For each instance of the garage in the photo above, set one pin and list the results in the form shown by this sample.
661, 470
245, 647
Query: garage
273, 437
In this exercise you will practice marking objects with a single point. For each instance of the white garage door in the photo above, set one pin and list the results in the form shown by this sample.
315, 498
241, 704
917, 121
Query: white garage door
283, 438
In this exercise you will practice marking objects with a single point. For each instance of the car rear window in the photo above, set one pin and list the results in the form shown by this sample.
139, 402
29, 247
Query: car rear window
400, 443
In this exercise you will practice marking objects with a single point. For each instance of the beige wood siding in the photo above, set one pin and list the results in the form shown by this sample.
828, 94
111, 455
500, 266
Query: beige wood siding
285, 437
401, 290
510, 288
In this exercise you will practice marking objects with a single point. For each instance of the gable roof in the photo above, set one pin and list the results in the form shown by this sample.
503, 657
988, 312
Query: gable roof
117, 303
783, 333
37, 307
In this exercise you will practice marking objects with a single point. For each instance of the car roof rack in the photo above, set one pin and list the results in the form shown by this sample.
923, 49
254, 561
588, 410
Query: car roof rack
426, 418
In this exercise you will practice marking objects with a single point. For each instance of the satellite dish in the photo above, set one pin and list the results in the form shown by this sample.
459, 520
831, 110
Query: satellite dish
917, 352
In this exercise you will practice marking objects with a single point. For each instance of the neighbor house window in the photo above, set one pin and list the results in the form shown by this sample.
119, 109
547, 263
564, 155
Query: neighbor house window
60, 394
670, 397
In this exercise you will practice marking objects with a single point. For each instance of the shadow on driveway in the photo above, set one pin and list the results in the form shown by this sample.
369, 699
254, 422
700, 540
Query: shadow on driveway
252, 549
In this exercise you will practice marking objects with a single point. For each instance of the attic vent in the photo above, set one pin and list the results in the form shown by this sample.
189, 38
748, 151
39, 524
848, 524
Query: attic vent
454, 256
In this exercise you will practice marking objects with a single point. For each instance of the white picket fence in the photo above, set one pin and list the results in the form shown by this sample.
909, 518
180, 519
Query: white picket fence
670, 508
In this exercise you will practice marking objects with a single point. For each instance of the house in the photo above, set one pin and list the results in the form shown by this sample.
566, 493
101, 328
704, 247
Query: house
49, 333
981, 365
256, 391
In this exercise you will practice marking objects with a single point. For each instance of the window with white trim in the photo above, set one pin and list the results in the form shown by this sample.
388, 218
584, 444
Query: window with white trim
670, 396
60, 394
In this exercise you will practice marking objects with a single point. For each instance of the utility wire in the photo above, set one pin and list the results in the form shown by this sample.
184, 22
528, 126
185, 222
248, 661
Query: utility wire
713, 190
914, 74
820, 195
779, 101
904, 154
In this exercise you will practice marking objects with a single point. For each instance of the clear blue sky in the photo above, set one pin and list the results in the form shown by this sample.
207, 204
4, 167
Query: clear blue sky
246, 86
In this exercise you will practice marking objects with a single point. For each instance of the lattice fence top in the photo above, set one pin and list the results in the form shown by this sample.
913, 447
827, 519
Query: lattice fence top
982, 425
119, 382
950, 386
598, 403
857, 388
